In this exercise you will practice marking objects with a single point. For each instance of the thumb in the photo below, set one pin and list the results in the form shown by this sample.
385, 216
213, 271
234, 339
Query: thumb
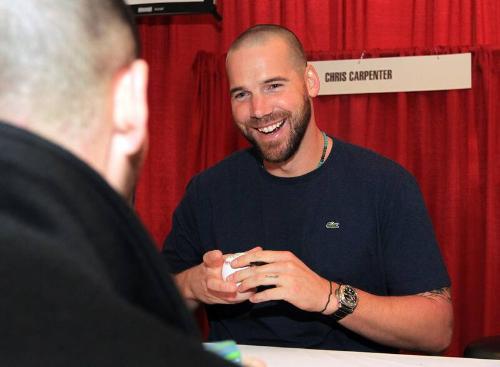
213, 259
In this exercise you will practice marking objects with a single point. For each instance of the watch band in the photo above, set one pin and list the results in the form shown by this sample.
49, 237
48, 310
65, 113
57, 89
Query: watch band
341, 312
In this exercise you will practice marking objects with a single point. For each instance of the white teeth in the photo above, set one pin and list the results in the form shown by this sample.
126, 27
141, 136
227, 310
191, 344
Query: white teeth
271, 128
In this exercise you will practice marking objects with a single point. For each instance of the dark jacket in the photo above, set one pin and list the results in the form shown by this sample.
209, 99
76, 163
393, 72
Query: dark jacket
81, 281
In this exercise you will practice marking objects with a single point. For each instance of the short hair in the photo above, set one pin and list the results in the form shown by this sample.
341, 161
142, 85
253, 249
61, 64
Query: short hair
57, 57
262, 32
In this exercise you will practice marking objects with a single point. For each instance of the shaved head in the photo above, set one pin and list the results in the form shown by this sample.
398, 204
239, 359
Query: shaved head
261, 33
57, 57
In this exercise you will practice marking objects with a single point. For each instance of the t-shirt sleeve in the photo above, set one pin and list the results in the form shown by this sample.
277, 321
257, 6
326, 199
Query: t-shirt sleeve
181, 247
412, 259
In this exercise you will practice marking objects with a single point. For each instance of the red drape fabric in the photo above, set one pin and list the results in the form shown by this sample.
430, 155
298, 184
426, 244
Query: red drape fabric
447, 139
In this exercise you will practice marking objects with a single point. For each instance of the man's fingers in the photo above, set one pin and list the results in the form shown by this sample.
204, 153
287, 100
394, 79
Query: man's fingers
256, 248
226, 292
269, 294
263, 256
218, 285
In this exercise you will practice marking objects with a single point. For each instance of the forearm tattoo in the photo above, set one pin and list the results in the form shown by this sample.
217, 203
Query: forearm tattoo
443, 293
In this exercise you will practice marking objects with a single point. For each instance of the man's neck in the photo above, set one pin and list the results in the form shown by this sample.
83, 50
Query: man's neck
307, 157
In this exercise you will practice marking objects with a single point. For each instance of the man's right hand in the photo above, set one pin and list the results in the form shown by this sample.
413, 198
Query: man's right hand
204, 282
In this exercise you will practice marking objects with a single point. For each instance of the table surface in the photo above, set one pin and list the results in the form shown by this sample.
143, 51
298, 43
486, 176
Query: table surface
288, 357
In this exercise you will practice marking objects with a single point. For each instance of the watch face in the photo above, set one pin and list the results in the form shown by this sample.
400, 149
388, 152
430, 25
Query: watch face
349, 296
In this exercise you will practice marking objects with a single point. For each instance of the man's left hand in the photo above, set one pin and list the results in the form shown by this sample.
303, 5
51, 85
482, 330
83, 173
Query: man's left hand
293, 281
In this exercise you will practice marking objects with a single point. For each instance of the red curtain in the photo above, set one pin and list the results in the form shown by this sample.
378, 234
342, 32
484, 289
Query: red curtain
447, 139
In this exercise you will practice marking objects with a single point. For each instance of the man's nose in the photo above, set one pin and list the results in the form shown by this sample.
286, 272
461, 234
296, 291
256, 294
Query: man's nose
260, 106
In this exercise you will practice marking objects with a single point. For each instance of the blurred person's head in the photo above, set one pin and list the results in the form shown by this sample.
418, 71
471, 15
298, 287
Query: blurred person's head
70, 72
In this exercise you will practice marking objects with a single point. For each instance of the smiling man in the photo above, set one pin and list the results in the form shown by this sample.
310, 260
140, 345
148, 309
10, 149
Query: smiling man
346, 252
271, 103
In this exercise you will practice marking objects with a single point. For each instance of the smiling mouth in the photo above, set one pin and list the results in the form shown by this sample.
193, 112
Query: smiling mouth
271, 128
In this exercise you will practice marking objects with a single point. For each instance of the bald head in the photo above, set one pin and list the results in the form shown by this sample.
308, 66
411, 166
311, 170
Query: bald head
57, 58
260, 34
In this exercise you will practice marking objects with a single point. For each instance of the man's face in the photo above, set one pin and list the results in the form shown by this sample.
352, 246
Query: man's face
269, 99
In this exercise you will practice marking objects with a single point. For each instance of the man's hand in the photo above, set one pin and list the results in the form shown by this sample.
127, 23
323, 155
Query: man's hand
204, 283
294, 282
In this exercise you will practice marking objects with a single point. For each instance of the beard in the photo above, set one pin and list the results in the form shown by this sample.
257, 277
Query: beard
277, 152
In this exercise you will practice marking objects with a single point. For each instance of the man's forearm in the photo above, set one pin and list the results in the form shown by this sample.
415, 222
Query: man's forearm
421, 322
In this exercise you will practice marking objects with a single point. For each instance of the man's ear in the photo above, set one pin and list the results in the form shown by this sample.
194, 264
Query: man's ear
312, 81
129, 135
130, 109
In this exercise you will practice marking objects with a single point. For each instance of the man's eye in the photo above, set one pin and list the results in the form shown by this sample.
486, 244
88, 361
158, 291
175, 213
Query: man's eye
274, 86
239, 95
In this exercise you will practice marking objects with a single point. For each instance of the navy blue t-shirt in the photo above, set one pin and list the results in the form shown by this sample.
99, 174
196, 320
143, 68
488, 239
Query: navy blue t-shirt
359, 219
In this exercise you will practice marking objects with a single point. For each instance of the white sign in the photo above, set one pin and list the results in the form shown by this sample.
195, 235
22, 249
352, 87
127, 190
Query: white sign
395, 74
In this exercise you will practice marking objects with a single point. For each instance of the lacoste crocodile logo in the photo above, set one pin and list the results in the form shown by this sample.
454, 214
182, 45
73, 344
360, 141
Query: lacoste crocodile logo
332, 225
